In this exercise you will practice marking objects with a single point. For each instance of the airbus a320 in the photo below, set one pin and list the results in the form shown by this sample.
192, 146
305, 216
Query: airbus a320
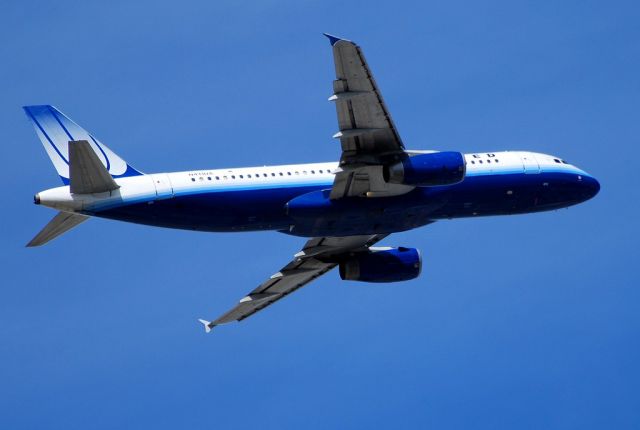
344, 208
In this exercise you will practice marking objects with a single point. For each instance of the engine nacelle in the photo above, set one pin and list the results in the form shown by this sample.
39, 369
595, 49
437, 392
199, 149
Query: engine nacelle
383, 265
436, 168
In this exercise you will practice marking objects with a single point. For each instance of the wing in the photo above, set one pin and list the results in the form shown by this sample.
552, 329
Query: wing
368, 136
318, 256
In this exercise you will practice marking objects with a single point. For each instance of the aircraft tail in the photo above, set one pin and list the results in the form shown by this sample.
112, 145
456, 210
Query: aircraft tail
56, 130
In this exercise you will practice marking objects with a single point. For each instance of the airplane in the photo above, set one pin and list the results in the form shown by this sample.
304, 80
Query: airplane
344, 208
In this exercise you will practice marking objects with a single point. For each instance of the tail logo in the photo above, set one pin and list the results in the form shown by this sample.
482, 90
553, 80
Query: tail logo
55, 130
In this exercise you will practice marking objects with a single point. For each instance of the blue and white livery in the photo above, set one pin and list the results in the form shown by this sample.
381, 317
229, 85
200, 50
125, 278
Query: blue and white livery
344, 208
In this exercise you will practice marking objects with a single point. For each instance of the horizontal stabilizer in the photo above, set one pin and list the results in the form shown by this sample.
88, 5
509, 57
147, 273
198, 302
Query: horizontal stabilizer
60, 224
87, 173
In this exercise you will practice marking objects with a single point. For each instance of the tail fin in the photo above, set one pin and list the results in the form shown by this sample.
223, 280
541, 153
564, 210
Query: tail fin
55, 130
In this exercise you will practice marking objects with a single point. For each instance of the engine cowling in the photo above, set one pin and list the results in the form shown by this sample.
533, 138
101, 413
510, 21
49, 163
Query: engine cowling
436, 168
383, 265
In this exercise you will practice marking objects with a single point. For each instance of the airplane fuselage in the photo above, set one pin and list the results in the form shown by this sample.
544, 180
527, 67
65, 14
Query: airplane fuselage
261, 198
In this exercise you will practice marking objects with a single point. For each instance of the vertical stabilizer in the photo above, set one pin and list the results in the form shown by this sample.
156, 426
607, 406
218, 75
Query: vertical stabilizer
56, 130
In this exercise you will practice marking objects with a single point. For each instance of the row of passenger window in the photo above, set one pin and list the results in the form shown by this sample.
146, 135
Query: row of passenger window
495, 160
264, 175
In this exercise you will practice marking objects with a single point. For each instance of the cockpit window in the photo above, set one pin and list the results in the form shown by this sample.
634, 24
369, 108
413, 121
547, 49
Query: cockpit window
556, 160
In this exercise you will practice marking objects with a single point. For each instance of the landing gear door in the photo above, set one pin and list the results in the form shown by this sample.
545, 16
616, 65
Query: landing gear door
164, 190
530, 163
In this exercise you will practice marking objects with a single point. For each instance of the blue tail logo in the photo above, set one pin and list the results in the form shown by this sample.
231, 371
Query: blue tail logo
55, 130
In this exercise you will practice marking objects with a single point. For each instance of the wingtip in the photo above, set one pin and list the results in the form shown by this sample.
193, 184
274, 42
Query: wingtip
333, 39
207, 325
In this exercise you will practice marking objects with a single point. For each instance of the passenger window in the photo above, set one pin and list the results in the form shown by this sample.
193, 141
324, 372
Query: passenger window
273, 174
209, 178
289, 173
313, 172
480, 161
280, 173
193, 179
496, 160
217, 178
233, 176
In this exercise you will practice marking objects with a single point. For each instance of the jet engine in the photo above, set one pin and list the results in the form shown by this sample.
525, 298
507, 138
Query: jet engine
435, 168
383, 265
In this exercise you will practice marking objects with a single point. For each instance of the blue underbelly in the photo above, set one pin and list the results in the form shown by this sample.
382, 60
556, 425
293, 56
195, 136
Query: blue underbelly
265, 209
217, 211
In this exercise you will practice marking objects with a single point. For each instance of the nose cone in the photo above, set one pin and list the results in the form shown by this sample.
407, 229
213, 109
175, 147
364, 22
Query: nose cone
590, 186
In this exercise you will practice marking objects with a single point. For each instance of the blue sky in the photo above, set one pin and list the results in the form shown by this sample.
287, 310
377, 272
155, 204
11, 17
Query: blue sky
517, 322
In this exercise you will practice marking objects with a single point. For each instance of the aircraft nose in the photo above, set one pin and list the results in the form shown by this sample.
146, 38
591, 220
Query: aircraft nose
590, 186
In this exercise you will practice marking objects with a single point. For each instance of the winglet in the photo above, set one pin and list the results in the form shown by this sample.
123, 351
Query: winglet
207, 325
333, 39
